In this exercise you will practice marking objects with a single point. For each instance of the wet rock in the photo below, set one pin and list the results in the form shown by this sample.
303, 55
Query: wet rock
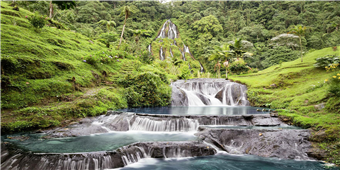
287, 144
13, 158
273, 114
179, 97
317, 153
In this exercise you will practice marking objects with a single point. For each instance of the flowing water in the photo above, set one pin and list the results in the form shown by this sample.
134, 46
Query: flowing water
207, 117
199, 110
225, 162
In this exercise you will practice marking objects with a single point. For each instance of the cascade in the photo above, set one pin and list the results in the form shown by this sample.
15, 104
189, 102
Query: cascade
171, 53
201, 92
149, 48
202, 68
161, 54
167, 125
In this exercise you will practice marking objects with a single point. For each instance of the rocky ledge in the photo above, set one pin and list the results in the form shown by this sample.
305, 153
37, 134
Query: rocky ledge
13, 158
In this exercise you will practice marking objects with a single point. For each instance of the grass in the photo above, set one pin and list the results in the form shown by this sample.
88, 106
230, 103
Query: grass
45, 81
295, 89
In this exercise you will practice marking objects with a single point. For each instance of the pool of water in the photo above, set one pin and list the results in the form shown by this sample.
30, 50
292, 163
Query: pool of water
225, 162
99, 142
250, 127
198, 110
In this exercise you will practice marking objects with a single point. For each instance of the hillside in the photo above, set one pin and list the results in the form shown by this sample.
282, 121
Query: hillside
298, 91
54, 76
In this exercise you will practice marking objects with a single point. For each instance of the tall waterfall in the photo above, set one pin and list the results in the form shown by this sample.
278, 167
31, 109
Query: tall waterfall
201, 92
171, 28
161, 54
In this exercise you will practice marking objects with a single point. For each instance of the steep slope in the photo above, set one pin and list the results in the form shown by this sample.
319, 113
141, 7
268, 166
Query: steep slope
53, 76
299, 92
169, 47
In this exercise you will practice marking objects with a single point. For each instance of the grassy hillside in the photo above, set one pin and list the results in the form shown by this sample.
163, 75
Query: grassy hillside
296, 89
54, 76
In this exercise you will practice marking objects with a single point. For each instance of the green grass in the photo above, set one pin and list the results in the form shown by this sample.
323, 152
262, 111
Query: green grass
45, 81
298, 88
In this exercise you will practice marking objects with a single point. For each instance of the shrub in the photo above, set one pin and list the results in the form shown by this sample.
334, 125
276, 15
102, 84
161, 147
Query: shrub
334, 87
146, 89
37, 21
326, 61
238, 67
146, 57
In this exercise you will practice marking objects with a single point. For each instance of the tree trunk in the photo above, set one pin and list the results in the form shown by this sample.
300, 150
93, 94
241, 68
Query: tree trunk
51, 9
219, 73
2, 69
121, 37
301, 49
226, 74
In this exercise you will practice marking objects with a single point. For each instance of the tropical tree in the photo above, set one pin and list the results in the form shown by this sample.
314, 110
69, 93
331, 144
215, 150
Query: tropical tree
109, 24
237, 48
220, 54
127, 12
300, 31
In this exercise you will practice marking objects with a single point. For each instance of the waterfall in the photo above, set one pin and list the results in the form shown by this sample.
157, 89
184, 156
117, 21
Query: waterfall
171, 53
201, 92
161, 54
172, 33
202, 68
162, 32
183, 55
167, 125
149, 48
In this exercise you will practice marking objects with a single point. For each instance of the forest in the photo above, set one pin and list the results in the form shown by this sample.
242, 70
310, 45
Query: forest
62, 61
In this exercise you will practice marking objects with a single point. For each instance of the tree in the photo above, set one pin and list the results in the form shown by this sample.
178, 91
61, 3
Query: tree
127, 12
237, 48
109, 24
220, 54
61, 5
300, 31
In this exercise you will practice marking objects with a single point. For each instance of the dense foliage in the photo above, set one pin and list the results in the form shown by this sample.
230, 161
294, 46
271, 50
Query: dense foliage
203, 25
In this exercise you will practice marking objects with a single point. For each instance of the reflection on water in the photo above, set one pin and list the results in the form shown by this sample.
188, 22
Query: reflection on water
199, 110
225, 162
100, 142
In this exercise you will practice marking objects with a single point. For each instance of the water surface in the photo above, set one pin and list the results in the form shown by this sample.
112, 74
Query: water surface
225, 162
98, 142
198, 110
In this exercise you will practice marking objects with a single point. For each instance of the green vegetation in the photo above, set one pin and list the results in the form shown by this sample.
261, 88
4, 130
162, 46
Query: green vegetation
54, 76
74, 64
299, 91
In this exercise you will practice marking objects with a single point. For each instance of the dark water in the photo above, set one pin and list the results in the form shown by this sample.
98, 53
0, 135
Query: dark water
198, 110
225, 162
100, 142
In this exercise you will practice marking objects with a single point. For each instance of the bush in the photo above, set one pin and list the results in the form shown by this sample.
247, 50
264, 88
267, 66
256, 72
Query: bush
334, 87
326, 61
37, 21
238, 67
146, 57
147, 89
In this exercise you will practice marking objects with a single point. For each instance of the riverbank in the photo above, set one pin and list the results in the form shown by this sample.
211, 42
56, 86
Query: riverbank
299, 92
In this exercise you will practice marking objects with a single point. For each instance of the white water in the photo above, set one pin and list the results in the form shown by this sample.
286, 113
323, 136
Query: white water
165, 125
161, 54
171, 53
149, 48
201, 93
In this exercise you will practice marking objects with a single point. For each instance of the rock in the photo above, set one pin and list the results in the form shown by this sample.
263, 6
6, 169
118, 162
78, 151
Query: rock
319, 136
319, 106
85, 120
285, 144
273, 86
273, 114
317, 153
39, 131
